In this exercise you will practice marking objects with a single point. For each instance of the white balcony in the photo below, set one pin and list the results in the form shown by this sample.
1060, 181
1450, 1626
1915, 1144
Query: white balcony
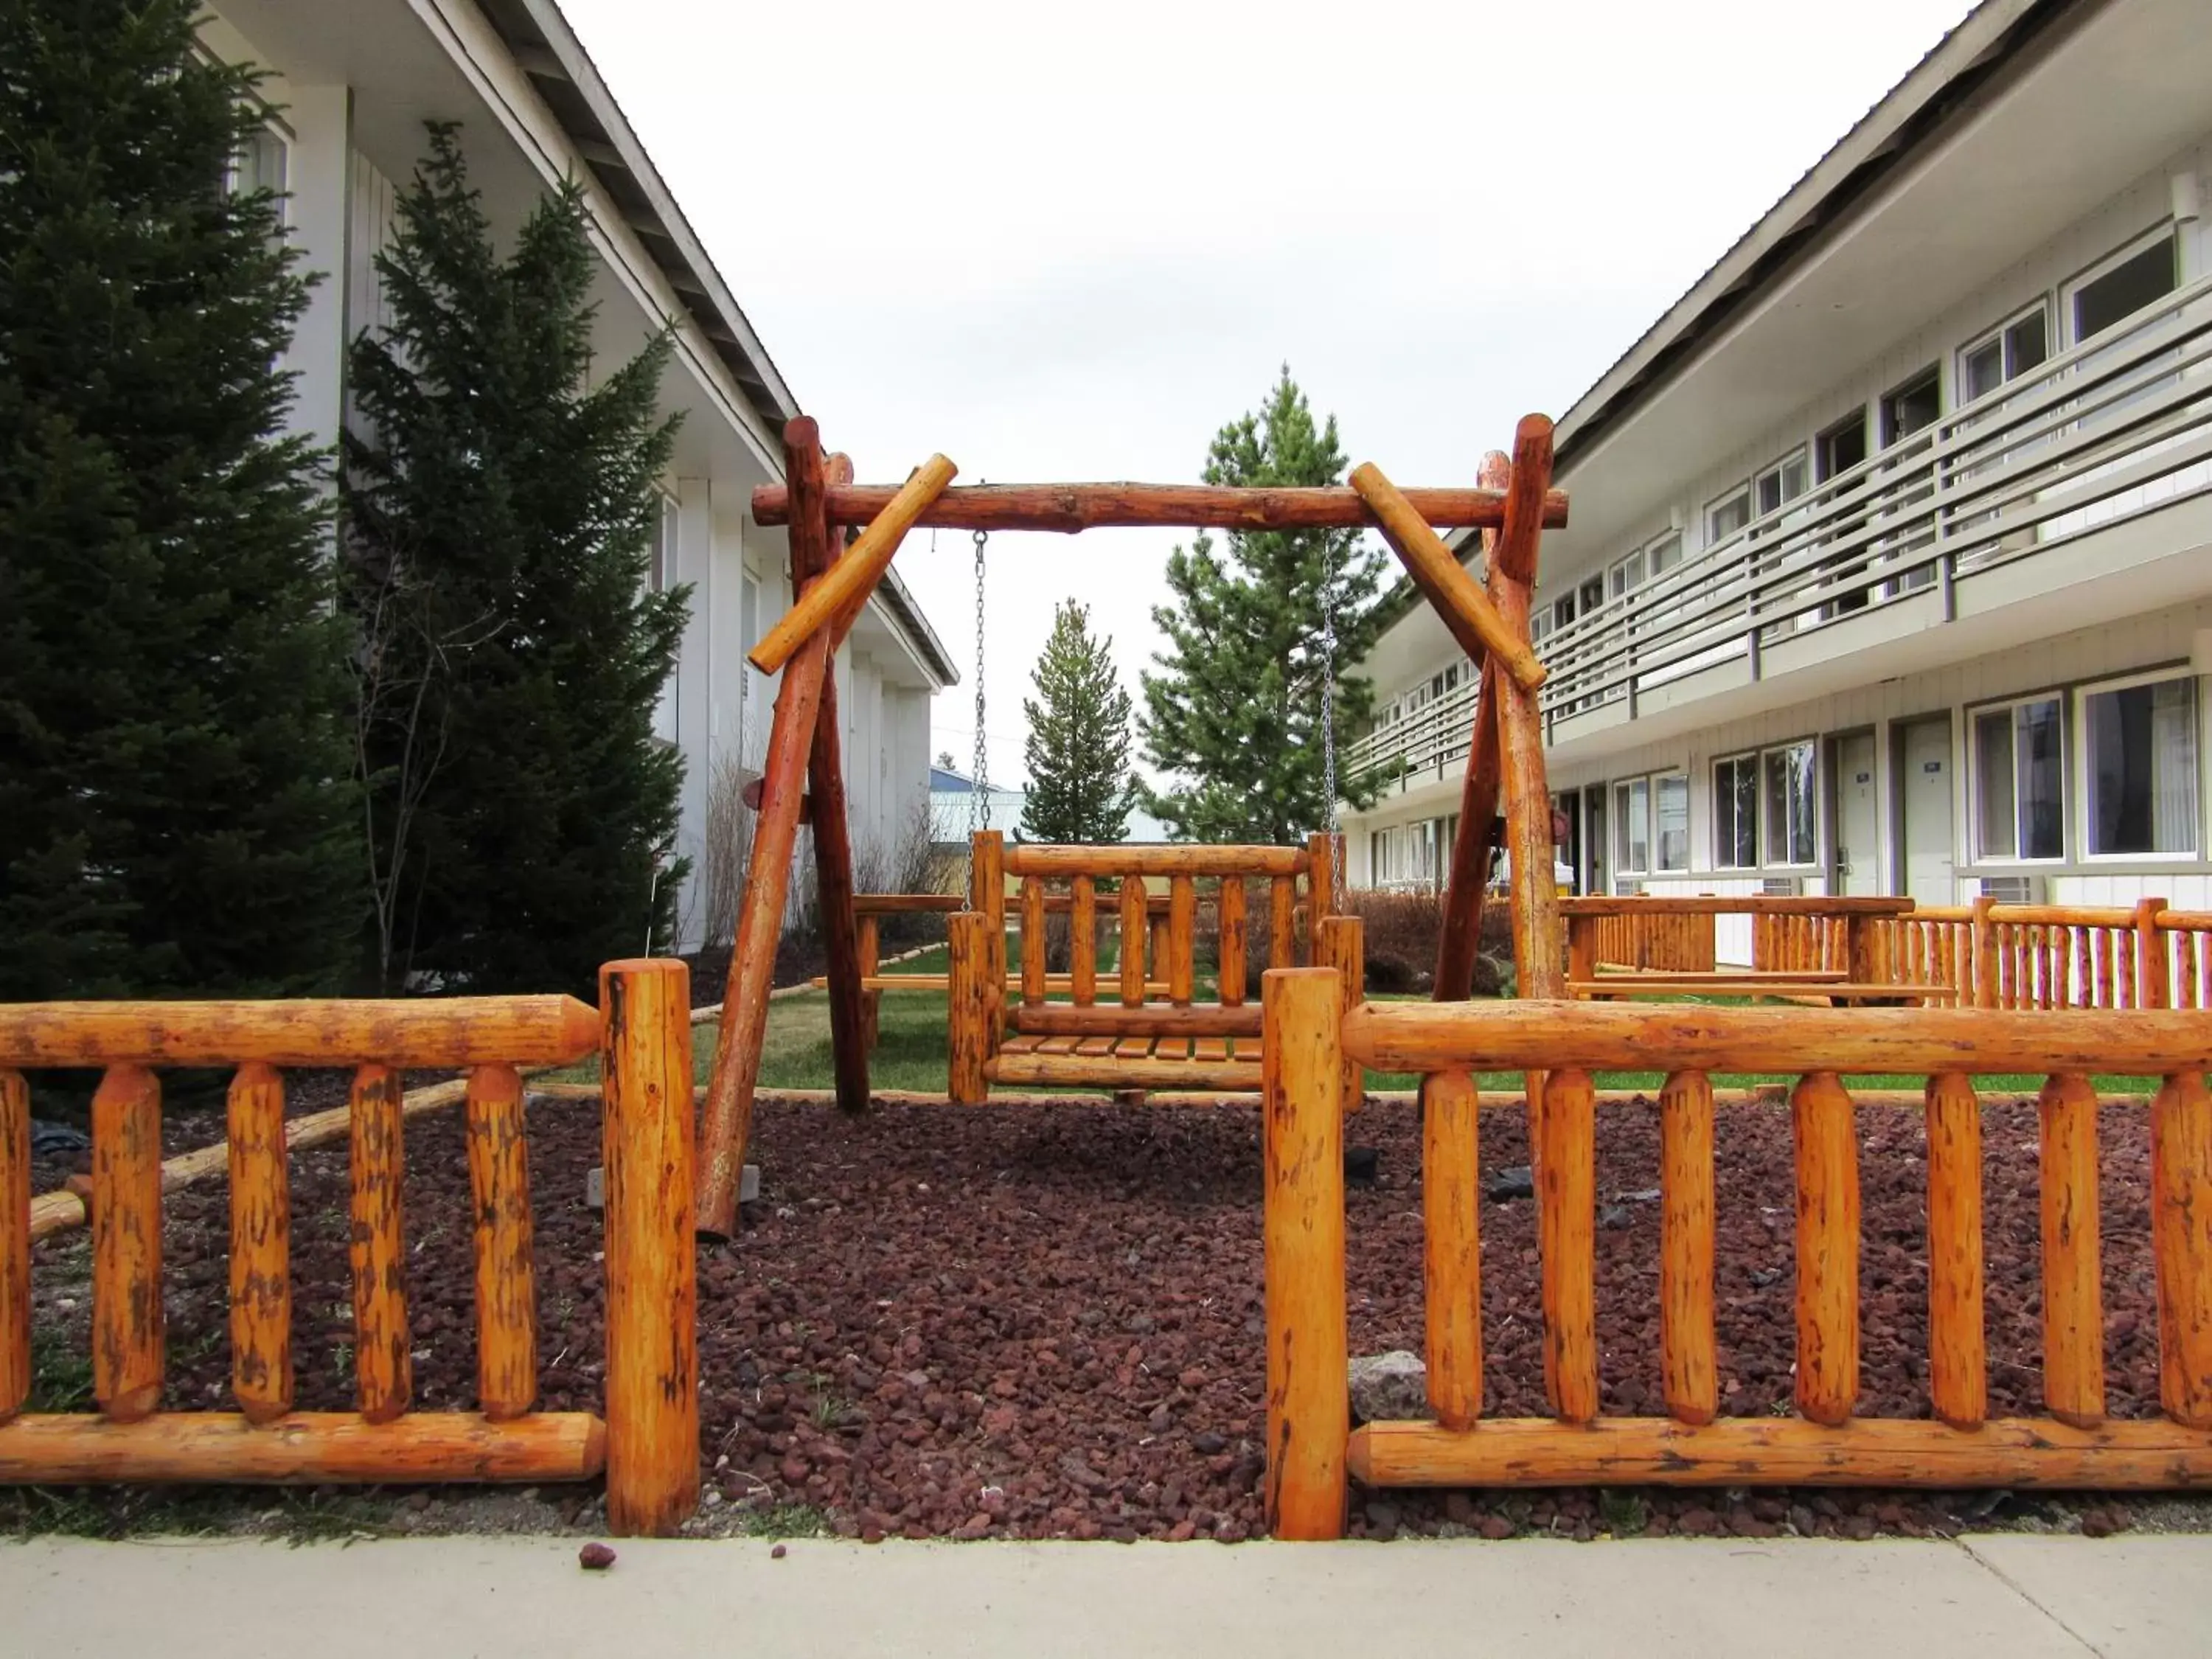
2109, 432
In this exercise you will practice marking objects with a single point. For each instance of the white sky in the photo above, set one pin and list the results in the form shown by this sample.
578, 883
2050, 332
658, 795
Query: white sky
1070, 242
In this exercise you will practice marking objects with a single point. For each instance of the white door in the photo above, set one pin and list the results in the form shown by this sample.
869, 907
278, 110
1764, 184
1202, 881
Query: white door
1858, 822
1927, 800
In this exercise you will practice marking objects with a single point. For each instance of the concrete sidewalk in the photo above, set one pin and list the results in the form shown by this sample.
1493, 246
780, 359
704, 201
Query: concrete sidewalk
2024, 1596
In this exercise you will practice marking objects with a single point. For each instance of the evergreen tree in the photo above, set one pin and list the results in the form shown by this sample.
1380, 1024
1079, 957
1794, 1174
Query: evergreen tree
1236, 712
499, 517
1078, 748
175, 813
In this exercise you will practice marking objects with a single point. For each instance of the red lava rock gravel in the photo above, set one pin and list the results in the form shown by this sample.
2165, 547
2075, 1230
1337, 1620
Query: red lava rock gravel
1004, 1322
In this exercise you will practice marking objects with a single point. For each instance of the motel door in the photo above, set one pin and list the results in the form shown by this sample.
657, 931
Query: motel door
1858, 820
1926, 798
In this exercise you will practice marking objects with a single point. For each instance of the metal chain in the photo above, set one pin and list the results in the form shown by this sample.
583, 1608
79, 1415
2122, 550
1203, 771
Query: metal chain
979, 797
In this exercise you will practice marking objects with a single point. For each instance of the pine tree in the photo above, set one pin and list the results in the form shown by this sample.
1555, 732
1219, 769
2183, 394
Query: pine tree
175, 814
1236, 712
499, 514
1078, 748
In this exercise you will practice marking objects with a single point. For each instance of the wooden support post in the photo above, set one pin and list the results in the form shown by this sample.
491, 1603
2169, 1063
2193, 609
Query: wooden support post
2153, 978
1083, 941
1457, 599
1156, 947
815, 545
14, 1244
260, 1245
652, 1285
1341, 945
729, 1110
1229, 950
383, 1350
1321, 877
2181, 1245
1282, 922
986, 878
1582, 947
1308, 1403
507, 1274
1688, 1369
846, 586
1182, 940
1958, 1379
1566, 1223
1132, 946
969, 953
1983, 944
872, 1000
2073, 1268
1451, 1217
1033, 961
126, 1244
1827, 1160
1466, 887
1861, 948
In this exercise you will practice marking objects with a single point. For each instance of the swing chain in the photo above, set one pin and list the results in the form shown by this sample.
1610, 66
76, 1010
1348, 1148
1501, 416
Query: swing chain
979, 798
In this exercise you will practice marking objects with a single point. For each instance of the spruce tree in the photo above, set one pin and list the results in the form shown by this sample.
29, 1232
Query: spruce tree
1078, 748
1236, 712
500, 511
175, 814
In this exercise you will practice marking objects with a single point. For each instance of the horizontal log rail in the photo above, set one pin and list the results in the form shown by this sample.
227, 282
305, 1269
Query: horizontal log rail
1718, 904
1034, 858
1307, 1036
1071, 508
439, 1034
647, 1442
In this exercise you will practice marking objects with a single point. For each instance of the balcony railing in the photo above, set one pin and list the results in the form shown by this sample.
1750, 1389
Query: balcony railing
2112, 429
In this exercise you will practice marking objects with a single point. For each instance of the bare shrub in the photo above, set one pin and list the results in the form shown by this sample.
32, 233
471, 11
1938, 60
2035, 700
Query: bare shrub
719, 887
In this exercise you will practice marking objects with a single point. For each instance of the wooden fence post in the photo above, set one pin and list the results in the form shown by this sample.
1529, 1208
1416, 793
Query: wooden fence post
2072, 1270
1566, 1232
2181, 1246
2153, 972
1828, 1171
1688, 1367
506, 1278
1958, 1384
968, 961
1451, 1230
1308, 1402
260, 1245
1341, 946
383, 1349
14, 1244
1582, 947
1983, 944
126, 1244
653, 1353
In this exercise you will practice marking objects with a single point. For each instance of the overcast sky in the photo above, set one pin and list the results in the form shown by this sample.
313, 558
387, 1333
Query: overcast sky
1070, 242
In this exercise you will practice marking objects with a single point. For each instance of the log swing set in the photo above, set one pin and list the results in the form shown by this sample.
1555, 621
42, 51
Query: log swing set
1154, 1035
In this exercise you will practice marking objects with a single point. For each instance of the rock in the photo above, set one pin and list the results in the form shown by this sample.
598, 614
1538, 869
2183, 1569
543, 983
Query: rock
1613, 1217
778, 1553
1762, 1277
1207, 1443
1698, 1523
2097, 1523
1641, 1195
1360, 1163
1518, 1181
1495, 1527
49, 1139
595, 1558
1389, 1388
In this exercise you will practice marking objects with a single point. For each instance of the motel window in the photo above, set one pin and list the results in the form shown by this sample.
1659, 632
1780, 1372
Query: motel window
1632, 827
1666, 553
1728, 515
1736, 812
1913, 405
2123, 285
2139, 761
1779, 484
2018, 779
1841, 447
1651, 824
660, 574
1670, 812
1790, 825
1627, 576
2004, 354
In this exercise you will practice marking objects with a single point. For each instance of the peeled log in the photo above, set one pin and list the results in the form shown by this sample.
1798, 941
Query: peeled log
301, 1448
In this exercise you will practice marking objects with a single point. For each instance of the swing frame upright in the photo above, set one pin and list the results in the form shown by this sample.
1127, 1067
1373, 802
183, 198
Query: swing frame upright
831, 581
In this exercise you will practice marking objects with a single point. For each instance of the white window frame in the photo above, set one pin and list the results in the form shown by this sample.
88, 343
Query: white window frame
1652, 550
1997, 335
2082, 808
1765, 829
1775, 469
1621, 788
2068, 808
1728, 497
1758, 791
2069, 290
1616, 815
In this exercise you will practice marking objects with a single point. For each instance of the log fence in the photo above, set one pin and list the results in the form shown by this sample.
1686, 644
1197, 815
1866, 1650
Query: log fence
1310, 1037
646, 1444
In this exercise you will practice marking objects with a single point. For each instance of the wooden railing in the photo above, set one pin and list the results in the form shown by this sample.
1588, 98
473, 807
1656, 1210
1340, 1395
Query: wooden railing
1130, 1039
1676, 932
1310, 1038
647, 1443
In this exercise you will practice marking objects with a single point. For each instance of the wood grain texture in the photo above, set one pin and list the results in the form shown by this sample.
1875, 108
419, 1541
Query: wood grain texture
1083, 941
302, 1448
383, 1349
260, 1245
1341, 944
1459, 941
1689, 1372
1198, 1019
506, 1269
1072, 1071
1567, 1224
1771, 1451
1033, 942
1451, 1216
1828, 1292
1228, 952
2181, 1245
2073, 1265
1958, 1365
1182, 939
1282, 923
652, 1260
1457, 597
1070, 507
440, 1032
1303, 1230
1040, 859
127, 1353
1133, 912
968, 1032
